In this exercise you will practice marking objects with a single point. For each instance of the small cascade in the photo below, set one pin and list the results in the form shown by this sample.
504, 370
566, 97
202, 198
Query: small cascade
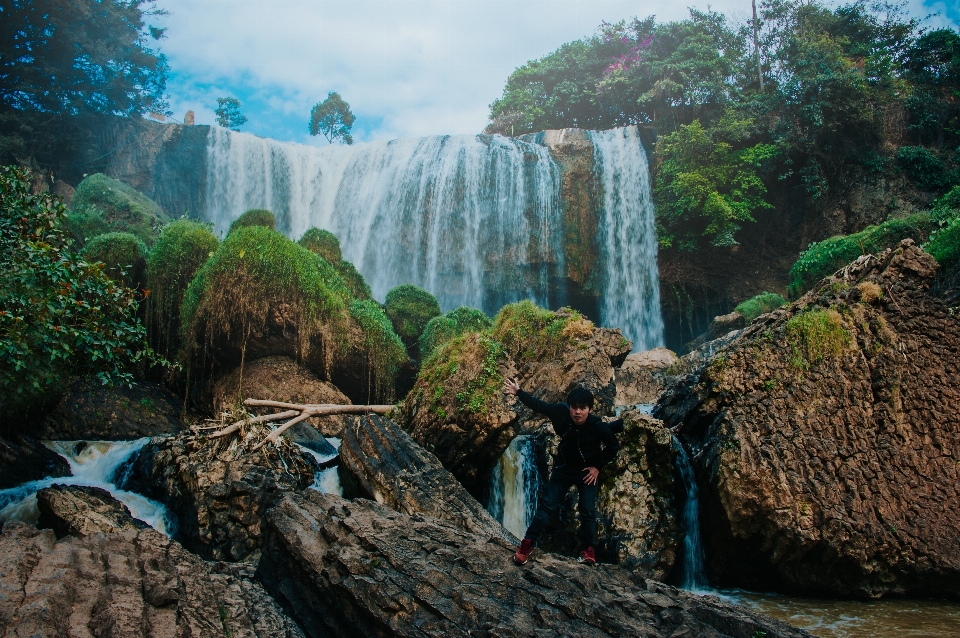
93, 464
328, 480
694, 578
515, 486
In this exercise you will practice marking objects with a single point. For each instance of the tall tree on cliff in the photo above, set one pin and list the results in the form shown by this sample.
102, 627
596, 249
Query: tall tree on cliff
228, 113
333, 119
63, 64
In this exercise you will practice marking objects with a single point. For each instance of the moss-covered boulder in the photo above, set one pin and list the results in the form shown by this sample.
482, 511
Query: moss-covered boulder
117, 205
123, 255
254, 217
759, 305
442, 329
410, 309
354, 280
85, 224
323, 243
181, 249
375, 355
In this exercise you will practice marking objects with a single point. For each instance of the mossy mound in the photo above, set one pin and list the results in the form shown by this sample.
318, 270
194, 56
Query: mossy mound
410, 309
124, 257
254, 217
385, 352
759, 305
181, 249
824, 258
119, 206
85, 224
529, 332
442, 329
354, 280
323, 243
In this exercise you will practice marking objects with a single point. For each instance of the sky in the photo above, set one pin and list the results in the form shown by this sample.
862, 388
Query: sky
408, 68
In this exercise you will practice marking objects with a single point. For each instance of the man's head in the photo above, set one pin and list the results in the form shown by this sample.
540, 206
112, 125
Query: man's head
580, 401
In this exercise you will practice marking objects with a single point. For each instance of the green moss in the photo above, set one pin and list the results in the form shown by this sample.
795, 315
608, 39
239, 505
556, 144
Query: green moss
441, 329
823, 259
530, 332
181, 250
119, 206
354, 280
759, 305
85, 224
815, 335
254, 217
385, 351
477, 394
410, 309
945, 245
123, 256
323, 243
256, 268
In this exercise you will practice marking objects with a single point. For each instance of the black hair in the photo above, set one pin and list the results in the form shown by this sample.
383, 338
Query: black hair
580, 396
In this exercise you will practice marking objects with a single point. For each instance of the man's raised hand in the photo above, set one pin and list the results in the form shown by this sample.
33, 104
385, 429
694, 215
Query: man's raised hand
592, 474
511, 386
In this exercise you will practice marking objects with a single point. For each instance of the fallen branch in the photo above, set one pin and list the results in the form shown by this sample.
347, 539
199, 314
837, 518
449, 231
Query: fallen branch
233, 427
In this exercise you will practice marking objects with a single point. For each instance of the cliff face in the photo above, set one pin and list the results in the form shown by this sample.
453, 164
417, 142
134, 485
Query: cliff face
827, 439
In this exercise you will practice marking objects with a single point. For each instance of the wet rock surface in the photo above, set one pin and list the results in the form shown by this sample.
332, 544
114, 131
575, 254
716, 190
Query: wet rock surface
83, 511
23, 458
643, 376
359, 569
94, 412
378, 460
827, 439
218, 489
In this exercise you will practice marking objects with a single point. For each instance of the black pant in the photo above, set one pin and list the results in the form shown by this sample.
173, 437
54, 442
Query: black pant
560, 481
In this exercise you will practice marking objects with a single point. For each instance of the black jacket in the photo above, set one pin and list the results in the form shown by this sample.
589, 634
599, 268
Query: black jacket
592, 444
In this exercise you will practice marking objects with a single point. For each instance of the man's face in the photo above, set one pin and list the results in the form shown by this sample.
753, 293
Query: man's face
579, 413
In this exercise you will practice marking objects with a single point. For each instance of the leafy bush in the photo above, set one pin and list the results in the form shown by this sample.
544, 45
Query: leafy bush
826, 257
59, 315
759, 305
120, 206
323, 243
945, 245
923, 166
815, 335
123, 255
442, 329
410, 309
385, 352
86, 223
181, 249
254, 217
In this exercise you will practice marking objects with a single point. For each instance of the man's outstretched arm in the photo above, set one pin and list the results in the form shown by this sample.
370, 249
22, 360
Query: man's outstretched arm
512, 386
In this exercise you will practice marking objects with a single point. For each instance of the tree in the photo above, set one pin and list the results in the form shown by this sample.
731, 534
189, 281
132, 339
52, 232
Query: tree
228, 113
332, 119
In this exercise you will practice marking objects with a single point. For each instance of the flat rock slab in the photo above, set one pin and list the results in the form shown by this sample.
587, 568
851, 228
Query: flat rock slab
355, 568
82, 511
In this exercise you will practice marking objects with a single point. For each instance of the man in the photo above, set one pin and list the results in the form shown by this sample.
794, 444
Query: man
586, 445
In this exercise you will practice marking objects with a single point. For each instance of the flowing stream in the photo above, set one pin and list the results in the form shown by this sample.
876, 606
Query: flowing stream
93, 464
328, 480
693, 577
514, 486
474, 219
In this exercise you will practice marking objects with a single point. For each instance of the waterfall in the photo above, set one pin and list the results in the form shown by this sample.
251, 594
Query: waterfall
694, 578
92, 464
514, 486
628, 237
328, 480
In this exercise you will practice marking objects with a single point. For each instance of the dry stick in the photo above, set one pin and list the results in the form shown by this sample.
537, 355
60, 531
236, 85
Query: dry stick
324, 411
230, 429
890, 292
273, 436
341, 409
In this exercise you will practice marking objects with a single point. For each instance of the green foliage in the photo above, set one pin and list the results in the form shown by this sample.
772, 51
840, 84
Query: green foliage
385, 351
354, 280
945, 245
59, 315
228, 113
814, 335
410, 309
254, 217
826, 257
86, 223
530, 332
480, 389
923, 166
121, 207
123, 255
443, 328
333, 119
759, 305
182, 248
323, 243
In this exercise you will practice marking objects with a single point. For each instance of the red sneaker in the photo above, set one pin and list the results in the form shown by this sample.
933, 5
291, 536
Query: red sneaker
588, 557
524, 551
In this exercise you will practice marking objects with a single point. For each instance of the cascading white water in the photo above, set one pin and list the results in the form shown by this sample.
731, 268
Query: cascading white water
94, 465
514, 486
473, 219
694, 578
628, 237
328, 480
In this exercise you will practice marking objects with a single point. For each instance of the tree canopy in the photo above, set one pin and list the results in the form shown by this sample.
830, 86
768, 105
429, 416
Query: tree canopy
333, 119
228, 113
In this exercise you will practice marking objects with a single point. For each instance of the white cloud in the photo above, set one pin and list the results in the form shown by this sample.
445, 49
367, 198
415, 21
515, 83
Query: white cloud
407, 67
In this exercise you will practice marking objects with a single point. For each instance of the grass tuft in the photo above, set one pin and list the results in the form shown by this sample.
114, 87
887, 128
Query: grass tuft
759, 305
815, 335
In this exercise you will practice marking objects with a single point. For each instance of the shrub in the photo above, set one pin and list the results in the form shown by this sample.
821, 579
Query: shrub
181, 249
123, 255
385, 352
120, 206
59, 315
923, 166
814, 335
254, 217
85, 224
442, 329
759, 305
409, 309
945, 245
825, 258
323, 243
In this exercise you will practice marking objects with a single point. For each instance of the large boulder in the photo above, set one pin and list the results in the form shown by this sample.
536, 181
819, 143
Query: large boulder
24, 459
83, 511
644, 376
218, 488
378, 460
826, 437
360, 569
